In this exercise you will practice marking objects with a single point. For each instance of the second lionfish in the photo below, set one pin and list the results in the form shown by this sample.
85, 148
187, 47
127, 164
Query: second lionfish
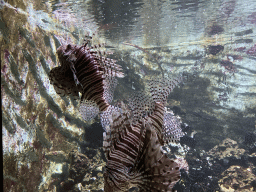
133, 141
84, 70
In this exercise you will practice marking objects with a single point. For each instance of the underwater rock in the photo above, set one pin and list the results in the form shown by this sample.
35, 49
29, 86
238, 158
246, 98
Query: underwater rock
252, 51
79, 166
237, 178
234, 57
250, 138
212, 167
229, 66
228, 148
227, 8
240, 49
83, 173
201, 171
243, 41
189, 141
252, 18
56, 156
250, 145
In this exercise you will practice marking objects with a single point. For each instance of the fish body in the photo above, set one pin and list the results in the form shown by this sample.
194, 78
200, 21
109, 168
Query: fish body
135, 134
135, 158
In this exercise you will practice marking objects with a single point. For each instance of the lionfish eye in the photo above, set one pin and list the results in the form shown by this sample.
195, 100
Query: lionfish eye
68, 47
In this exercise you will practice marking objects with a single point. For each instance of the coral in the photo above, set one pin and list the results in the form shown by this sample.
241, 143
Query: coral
83, 173
29, 110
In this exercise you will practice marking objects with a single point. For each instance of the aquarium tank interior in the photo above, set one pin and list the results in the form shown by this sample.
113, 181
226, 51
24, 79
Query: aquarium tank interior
128, 95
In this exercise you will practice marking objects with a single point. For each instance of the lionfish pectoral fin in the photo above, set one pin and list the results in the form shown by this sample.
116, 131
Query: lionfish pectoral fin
157, 171
88, 110
160, 88
109, 85
172, 131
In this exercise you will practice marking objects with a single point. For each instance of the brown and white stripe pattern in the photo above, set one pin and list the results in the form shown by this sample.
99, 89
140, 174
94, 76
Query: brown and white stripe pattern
133, 142
122, 144
84, 70
157, 120
135, 158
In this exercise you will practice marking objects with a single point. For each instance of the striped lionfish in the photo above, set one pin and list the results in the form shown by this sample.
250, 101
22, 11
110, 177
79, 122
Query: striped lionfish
133, 141
84, 70
135, 132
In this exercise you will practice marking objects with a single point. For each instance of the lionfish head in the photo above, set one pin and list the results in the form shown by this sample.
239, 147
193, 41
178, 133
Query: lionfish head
66, 53
84, 70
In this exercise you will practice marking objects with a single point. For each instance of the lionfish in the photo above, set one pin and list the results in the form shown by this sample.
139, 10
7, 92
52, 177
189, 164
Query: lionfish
135, 132
133, 141
84, 70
